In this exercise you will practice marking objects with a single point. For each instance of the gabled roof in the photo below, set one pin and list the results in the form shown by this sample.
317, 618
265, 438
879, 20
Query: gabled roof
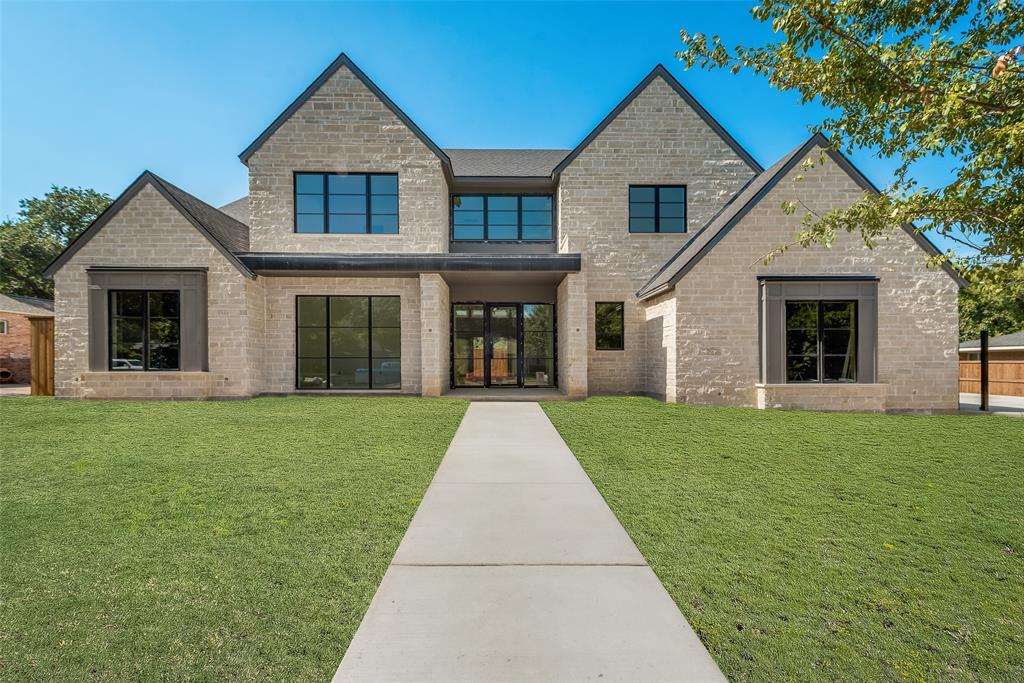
745, 200
225, 233
1003, 341
505, 163
660, 72
238, 209
26, 305
342, 61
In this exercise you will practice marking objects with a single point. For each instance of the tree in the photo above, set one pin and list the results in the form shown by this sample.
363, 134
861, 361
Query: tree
915, 79
994, 301
43, 228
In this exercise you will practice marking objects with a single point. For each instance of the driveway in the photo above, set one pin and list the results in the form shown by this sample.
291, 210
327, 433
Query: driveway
515, 569
998, 405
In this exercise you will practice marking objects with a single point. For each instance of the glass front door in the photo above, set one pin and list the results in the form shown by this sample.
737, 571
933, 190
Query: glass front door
503, 345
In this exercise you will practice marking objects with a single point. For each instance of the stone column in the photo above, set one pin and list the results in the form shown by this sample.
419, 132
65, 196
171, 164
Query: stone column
573, 335
435, 334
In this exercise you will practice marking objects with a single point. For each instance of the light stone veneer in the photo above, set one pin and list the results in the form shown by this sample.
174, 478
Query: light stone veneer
149, 232
656, 139
717, 309
344, 128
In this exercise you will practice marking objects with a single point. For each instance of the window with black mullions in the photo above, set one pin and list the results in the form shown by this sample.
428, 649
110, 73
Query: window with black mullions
348, 342
657, 208
821, 341
509, 218
354, 203
145, 330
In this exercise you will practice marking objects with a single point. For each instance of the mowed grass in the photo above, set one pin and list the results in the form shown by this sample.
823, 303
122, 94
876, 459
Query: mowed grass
823, 547
237, 540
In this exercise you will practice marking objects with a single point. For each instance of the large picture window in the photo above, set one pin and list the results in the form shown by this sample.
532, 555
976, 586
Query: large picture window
609, 326
145, 330
353, 203
512, 218
348, 342
821, 341
657, 208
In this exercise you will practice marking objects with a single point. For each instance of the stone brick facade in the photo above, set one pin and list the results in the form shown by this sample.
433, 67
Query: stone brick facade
344, 128
16, 347
657, 139
717, 317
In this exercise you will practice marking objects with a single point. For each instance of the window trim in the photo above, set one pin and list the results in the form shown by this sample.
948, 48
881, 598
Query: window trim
369, 339
657, 208
4, 326
145, 329
327, 208
622, 322
486, 227
820, 344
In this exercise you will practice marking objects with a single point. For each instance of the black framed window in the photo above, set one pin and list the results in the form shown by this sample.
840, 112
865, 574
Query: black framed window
657, 208
609, 326
821, 341
145, 330
346, 203
538, 345
502, 217
348, 342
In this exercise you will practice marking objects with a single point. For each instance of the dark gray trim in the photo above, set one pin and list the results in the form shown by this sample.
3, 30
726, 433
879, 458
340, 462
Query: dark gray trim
343, 60
146, 177
818, 278
413, 263
817, 140
136, 269
661, 71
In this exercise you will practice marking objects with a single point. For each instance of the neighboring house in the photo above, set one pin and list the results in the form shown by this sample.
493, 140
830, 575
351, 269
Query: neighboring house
367, 258
1003, 347
16, 335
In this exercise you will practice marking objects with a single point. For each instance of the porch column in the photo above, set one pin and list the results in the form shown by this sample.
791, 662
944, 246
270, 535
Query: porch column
435, 334
573, 334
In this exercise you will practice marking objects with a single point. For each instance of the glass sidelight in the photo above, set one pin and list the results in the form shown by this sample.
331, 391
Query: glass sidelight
503, 345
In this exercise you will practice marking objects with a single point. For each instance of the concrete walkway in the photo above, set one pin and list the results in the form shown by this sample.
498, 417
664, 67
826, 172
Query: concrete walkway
515, 569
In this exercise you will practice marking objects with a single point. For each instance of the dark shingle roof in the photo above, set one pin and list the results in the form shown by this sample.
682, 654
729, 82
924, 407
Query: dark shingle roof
238, 209
25, 305
232, 234
505, 163
1002, 341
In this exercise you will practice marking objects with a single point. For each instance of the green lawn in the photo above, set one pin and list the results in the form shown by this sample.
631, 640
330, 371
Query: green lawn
812, 546
234, 540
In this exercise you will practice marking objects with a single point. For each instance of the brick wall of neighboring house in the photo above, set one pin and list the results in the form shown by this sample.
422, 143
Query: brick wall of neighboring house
717, 317
656, 139
16, 347
149, 232
342, 128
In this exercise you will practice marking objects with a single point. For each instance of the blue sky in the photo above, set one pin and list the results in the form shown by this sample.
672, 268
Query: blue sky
93, 93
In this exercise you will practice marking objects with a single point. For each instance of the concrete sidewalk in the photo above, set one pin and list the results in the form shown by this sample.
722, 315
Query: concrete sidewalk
515, 569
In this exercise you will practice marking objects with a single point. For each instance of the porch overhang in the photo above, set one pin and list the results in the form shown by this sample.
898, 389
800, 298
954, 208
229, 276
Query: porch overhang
399, 265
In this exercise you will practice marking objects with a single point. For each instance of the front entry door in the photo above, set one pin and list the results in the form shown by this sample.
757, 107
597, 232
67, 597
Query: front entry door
503, 345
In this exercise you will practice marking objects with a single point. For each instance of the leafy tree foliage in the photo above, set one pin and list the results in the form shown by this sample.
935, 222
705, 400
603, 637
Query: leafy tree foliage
42, 229
914, 79
995, 301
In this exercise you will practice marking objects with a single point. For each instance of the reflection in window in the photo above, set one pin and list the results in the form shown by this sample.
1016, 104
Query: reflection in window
538, 345
353, 203
609, 326
821, 341
348, 342
501, 217
145, 330
657, 208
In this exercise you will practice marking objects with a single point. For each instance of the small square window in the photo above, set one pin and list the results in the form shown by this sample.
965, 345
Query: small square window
657, 208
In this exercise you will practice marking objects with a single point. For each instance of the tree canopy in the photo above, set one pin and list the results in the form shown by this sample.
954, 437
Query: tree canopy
915, 80
42, 229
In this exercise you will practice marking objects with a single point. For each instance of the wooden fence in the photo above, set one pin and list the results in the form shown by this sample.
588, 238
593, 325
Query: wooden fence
1005, 377
42, 356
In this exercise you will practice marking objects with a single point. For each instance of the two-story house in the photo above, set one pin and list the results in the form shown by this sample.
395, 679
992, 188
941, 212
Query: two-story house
368, 259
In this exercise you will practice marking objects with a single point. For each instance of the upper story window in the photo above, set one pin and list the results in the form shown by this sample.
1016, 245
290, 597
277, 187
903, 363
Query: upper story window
502, 217
346, 203
657, 208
